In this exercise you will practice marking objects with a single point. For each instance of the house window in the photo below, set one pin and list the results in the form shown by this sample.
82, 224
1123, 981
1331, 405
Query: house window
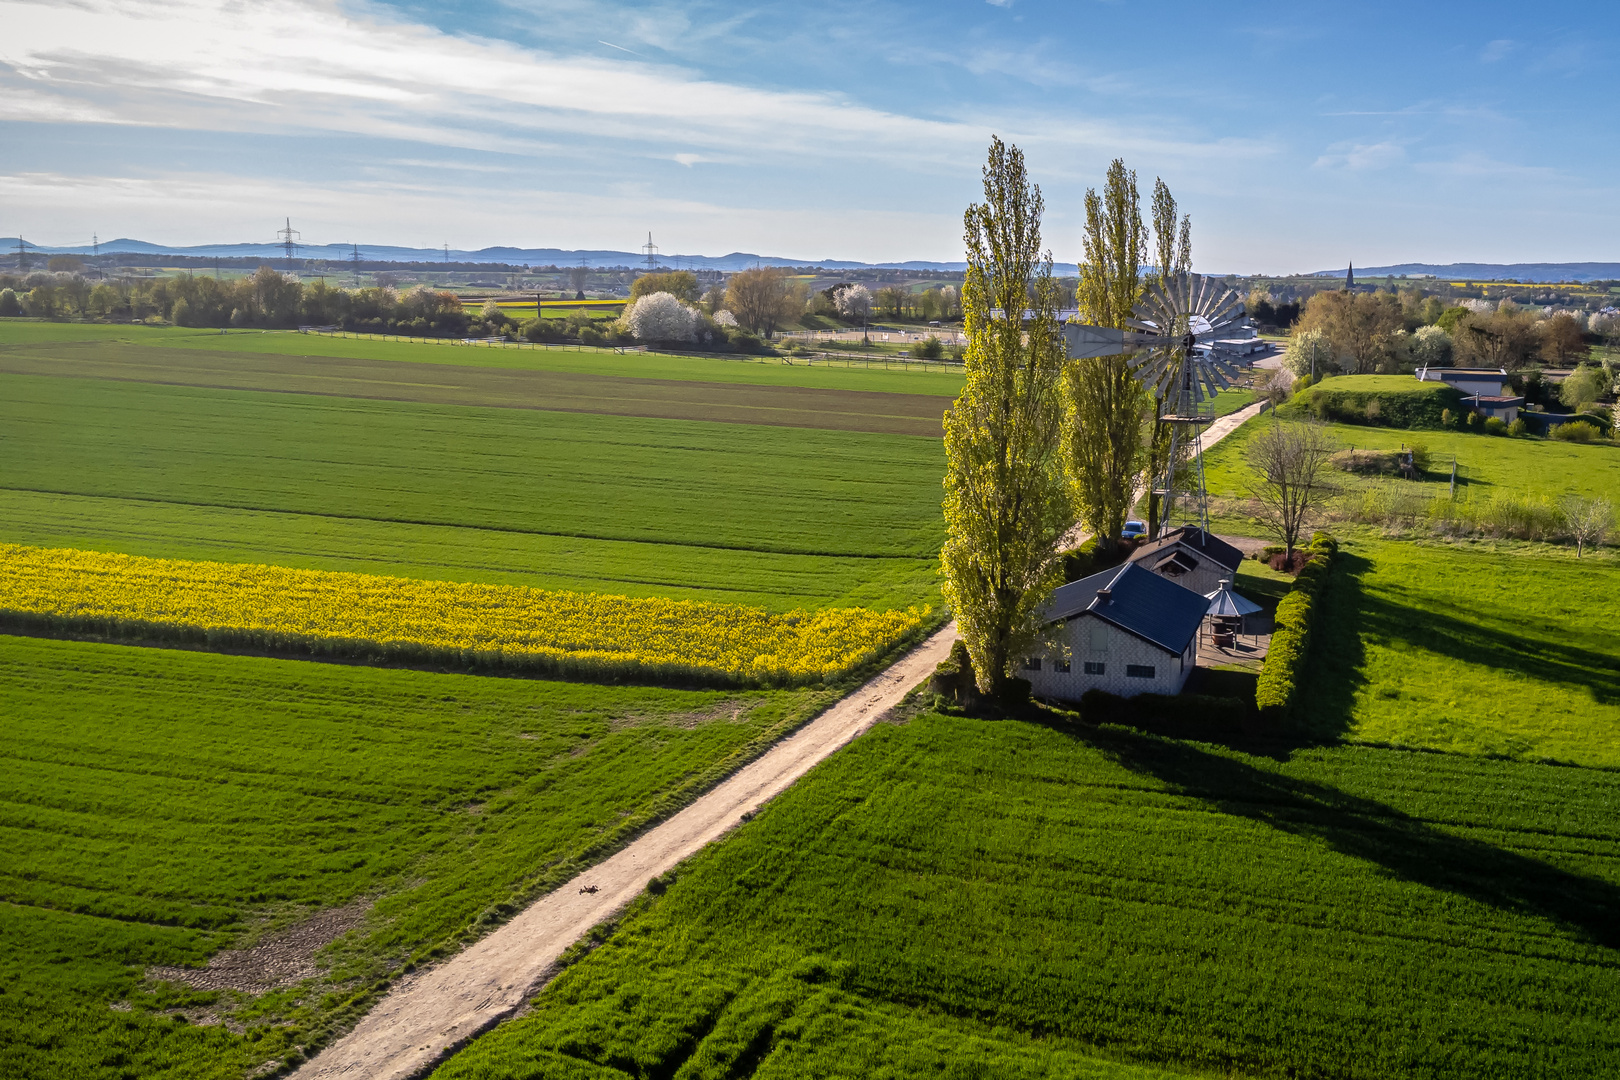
1032, 663
1139, 671
1094, 668
1060, 666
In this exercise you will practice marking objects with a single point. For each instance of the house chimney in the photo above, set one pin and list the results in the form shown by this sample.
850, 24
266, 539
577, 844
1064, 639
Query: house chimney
1103, 595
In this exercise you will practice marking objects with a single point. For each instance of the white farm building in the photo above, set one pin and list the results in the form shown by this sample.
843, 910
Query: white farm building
1127, 630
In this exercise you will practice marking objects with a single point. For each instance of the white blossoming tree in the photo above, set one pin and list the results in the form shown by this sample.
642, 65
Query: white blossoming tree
1431, 346
661, 317
854, 302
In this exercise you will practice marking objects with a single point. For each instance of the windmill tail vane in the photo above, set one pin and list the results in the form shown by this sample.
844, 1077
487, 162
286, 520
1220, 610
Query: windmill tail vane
1175, 346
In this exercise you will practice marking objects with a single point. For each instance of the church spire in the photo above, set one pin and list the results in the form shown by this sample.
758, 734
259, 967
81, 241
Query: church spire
1350, 278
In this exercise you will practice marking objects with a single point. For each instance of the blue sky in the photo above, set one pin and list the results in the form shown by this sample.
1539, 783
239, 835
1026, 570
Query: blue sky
1298, 137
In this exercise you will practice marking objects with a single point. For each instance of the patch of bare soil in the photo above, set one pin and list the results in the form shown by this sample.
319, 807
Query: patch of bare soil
276, 961
731, 712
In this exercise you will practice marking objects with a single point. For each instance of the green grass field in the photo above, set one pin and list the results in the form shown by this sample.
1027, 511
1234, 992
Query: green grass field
157, 805
1473, 647
757, 371
969, 898
773, 516
1486, 463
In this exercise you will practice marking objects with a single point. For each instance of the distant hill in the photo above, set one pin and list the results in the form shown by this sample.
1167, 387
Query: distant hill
1526, 272
597, 259
601, 259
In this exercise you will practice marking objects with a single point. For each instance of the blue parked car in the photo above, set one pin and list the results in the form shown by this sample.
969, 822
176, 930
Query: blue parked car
1134, 530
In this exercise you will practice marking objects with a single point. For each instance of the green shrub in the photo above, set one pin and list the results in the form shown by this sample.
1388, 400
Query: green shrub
1518, 427
590, 335
1086, 560
10, 306
1473, 420
953, 679
1495, 425
1446, 419
1578, 431
542, 330
930, 348
1277, 695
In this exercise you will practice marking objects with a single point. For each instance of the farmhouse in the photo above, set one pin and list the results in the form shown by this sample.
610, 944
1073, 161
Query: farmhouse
1190, 557
1125, 630
1483, 386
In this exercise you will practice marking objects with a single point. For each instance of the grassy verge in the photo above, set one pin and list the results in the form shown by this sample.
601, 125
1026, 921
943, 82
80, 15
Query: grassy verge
1486, 463
978, 898
1475, 647
157, 806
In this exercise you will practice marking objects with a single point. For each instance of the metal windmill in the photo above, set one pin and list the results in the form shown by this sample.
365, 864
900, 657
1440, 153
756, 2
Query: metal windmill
1176, 349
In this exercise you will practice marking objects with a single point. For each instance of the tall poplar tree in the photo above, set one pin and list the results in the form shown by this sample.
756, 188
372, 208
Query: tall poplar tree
1170, 258
1106, 403
1006, 507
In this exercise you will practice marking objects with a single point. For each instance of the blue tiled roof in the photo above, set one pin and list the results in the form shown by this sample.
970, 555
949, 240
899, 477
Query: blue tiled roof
1140, 602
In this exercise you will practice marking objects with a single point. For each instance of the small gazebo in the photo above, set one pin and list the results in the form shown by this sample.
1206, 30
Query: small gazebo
1227, 612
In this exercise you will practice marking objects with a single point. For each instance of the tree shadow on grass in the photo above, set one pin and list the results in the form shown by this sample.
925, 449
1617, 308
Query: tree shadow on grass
1405, 847
1335, 668
1497, 647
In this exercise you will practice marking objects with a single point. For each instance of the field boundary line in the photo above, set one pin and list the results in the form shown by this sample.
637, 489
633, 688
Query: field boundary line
430, 1014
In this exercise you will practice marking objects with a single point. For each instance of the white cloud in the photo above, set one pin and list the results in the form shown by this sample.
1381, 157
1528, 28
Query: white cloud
1362, 157
1497, 50
291, 64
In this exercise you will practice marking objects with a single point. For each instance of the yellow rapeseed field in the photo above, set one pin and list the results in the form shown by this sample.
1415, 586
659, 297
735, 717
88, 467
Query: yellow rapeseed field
372, 616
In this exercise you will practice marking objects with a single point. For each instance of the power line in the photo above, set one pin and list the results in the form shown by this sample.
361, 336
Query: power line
652, 252
354, 261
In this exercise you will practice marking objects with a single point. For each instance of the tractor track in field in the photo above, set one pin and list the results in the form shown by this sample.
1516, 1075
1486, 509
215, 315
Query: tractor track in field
430, 1014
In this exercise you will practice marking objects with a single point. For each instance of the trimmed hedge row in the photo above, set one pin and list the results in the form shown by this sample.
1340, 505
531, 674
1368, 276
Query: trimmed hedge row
1277, 695
1418, 407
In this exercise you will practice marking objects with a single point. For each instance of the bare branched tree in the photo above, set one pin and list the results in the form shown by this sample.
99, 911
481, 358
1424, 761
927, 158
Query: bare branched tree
1291, 482
762, 299
1590, 521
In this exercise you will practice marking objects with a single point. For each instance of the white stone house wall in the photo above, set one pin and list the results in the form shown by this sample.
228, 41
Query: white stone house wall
1091, 640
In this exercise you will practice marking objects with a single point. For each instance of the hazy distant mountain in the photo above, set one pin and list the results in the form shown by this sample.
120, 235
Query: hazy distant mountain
1591, 271
338, 253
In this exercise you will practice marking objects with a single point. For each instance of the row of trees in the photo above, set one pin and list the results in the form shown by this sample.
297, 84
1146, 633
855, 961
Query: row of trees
758, 301
266, 298
1361, 333
1036, 441
941, 303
